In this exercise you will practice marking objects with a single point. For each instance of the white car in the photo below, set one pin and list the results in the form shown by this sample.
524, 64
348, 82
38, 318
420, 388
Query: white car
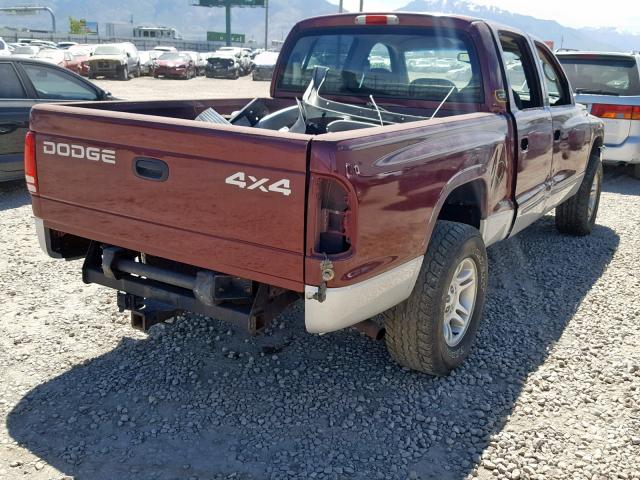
4, 48
608, 84
26, 51
199, 62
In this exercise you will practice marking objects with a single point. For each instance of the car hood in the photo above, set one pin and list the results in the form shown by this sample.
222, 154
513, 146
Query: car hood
112, 58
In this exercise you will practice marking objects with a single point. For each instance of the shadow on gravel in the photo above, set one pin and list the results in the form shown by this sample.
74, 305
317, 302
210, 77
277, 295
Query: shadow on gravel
13, 195
618, 179
191, 401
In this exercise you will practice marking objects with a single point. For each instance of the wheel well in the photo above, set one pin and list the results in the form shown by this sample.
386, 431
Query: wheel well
464, 204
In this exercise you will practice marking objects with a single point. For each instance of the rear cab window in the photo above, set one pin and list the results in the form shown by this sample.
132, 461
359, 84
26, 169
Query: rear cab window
558, 89
602, 74
404, 63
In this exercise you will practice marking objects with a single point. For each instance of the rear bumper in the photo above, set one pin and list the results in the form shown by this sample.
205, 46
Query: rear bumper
347, 306
626, 152
11, 167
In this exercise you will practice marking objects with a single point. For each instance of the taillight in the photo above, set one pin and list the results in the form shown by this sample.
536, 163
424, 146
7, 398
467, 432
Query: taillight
377, 20
333, 218
30, 171
616, 112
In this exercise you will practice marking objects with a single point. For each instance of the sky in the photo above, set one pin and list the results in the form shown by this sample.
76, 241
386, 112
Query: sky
574, 13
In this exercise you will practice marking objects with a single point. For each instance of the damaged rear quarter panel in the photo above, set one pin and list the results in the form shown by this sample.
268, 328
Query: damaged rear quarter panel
399, 177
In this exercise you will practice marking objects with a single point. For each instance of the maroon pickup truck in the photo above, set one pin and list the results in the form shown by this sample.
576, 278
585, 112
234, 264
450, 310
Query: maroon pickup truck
393, 150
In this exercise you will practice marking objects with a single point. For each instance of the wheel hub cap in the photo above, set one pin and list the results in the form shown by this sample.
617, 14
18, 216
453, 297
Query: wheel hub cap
460, 302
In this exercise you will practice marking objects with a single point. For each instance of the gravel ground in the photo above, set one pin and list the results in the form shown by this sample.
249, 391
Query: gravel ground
149, 88
551, 390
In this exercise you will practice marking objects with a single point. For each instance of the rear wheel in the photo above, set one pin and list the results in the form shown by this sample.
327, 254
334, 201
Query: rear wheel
577, 215
434, 329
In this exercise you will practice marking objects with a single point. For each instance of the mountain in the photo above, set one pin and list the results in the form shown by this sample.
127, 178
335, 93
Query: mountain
193, 22
567, 37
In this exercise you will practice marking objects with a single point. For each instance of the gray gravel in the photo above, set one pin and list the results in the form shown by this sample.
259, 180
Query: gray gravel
551, 391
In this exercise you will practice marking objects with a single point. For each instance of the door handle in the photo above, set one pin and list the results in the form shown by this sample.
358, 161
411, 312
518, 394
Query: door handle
151, 169
557, 134
524, 144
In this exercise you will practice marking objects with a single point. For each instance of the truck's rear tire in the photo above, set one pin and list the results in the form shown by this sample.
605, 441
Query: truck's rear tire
434, 329
577, 215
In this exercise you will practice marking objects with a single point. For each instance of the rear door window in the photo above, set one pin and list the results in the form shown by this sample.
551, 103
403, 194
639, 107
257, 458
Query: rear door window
55, 84
557, 87
10, 86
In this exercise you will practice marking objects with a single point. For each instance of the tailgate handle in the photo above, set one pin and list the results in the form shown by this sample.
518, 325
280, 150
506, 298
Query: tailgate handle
151, 169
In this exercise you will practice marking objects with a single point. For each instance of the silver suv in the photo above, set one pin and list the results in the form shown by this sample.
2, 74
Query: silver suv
609, 85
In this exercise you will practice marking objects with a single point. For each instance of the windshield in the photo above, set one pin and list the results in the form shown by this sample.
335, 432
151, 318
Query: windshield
52, 54
266, 58
174, 57
107, 50
604, 75
424, 64
25, 51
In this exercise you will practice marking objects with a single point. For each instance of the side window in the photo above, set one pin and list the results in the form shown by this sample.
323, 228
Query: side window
522, 74
54, 84
10, 86
380, 58
557, 87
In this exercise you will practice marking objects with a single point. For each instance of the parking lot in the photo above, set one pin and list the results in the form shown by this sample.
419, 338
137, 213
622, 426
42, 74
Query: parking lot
551, 390
149, 88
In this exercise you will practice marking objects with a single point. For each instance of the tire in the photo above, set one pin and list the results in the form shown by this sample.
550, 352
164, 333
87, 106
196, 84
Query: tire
125, 73
416, 329
636, 171
577, 215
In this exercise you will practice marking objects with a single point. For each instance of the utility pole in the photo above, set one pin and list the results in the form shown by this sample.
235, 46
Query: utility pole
341, 6
361, 5
266, 24
227, 8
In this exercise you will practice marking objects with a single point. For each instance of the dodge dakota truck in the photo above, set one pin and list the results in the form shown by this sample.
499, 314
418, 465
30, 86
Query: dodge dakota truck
392, 150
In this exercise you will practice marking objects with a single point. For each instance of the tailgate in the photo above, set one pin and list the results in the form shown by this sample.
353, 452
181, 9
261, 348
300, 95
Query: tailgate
233, 199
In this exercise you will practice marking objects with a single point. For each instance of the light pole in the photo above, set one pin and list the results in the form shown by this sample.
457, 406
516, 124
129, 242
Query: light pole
341, 6
30, 9
361, 5
266, 24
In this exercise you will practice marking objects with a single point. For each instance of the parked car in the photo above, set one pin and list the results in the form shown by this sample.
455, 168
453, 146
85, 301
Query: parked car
198, 61
165, 49
176, 65
4, 48
66, 45
609, 85
23, 84
82, 53
352, 208
62, 58
115, 60
26, 51
242, 56
43, 43
223, 65
146, 63
264, 65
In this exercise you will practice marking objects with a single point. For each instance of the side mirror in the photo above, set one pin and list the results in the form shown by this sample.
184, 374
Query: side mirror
128, 55
464, 57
